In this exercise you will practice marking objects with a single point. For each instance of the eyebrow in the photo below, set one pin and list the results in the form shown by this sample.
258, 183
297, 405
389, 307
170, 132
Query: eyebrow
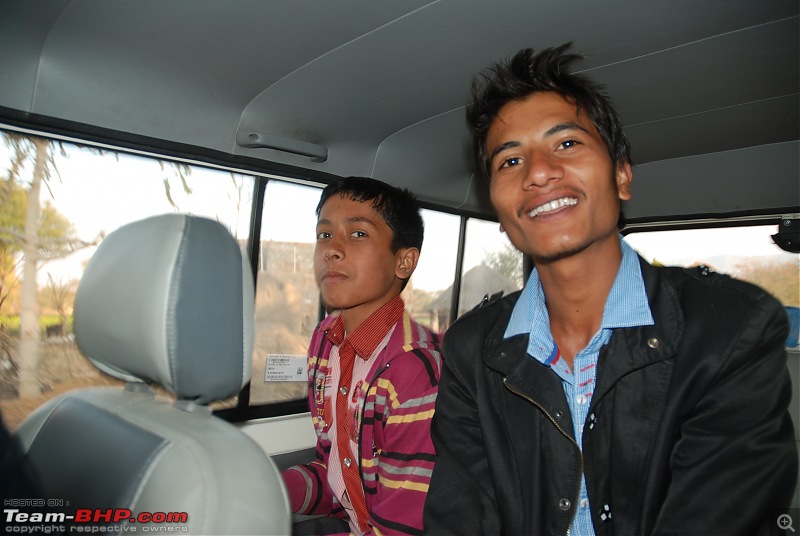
352, 219
570, 125
500, 148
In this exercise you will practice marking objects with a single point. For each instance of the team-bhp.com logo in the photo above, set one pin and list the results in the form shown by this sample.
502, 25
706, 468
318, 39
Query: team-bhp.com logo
93, 520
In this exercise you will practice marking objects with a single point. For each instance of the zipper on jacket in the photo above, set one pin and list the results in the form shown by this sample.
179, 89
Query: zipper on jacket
564, 432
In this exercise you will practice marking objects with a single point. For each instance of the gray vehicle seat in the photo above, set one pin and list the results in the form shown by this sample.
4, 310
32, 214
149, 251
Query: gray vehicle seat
166, 300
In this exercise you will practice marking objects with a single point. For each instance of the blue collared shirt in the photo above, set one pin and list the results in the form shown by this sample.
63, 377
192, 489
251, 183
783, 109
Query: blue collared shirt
626, 306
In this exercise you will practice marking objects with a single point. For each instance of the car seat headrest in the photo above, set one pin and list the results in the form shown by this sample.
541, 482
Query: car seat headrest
169, 299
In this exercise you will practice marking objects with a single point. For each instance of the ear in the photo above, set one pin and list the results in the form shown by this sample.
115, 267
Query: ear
624, 177
407, 259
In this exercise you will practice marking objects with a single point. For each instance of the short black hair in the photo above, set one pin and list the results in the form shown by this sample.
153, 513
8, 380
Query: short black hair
528, 72
398, 207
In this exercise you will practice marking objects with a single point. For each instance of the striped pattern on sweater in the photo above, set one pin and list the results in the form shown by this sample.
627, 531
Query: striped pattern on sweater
396, 451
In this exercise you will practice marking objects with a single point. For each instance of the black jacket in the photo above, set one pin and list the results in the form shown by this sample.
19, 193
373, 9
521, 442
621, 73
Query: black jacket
688, 429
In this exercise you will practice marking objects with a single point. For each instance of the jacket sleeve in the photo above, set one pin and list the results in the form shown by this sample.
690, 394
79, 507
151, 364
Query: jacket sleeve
461, 499
399, 474
734, 464
307, 484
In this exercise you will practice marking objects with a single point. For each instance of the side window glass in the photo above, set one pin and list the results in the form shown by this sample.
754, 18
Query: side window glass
287, 299
72, 196
491, 264
427, 296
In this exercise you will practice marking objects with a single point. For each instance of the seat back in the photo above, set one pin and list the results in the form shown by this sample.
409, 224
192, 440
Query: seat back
166, 301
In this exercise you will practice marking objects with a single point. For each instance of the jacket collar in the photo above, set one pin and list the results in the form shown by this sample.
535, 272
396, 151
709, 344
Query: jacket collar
634, 348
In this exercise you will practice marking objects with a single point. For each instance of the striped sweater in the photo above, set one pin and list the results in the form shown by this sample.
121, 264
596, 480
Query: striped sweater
395, 447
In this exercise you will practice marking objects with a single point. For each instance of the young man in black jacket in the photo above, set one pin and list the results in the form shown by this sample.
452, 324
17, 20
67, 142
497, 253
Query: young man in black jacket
609, 396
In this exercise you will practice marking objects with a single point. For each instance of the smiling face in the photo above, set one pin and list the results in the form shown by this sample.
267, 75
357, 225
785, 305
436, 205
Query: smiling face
354, 265
552, 181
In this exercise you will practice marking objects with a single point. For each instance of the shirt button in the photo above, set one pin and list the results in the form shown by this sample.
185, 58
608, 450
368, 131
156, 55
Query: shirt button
343, 390
347, 462
584, 503
581, 399
564, 504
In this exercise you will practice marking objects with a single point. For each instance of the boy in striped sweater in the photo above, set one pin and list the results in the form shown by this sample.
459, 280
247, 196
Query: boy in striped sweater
373, 372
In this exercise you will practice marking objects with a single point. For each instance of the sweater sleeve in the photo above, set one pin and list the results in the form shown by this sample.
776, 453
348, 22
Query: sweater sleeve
307, 484
307, 487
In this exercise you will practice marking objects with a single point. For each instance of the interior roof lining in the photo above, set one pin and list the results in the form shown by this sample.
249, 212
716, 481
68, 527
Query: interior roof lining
711, 110
341, 46
56, 22
686, 44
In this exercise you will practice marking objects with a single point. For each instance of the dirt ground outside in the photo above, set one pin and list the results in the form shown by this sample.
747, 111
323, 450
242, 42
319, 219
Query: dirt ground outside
61, 368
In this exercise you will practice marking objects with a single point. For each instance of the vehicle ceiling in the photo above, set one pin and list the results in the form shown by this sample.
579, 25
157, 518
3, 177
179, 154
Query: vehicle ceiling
709, 92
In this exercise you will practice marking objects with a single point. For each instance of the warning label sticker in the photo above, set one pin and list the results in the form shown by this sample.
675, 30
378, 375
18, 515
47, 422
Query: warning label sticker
286, 368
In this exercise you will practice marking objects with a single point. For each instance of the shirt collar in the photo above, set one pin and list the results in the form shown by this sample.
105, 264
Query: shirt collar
367, 336
626, 305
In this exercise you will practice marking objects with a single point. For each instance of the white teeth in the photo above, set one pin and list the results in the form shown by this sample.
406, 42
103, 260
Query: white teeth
553, 205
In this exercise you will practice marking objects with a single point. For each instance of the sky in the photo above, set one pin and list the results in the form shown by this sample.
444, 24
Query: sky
687, 247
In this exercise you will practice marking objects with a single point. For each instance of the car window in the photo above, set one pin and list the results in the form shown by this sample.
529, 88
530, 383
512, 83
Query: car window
491, 264
76, 195
287, 299
426, 296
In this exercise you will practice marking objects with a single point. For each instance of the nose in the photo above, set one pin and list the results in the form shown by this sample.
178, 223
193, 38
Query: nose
333, 249
542, 168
